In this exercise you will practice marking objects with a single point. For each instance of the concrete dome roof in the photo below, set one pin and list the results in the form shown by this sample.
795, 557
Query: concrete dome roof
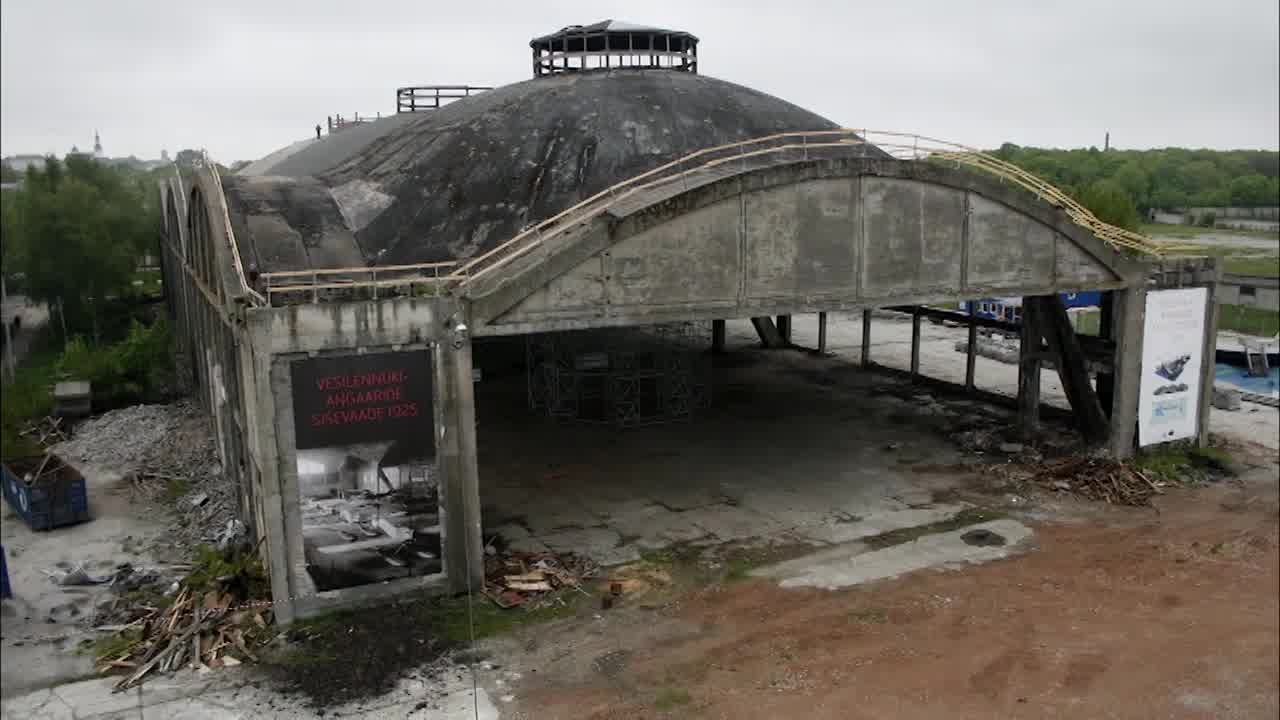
449, 184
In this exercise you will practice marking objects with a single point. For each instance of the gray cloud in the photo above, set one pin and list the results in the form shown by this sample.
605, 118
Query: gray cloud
242, 78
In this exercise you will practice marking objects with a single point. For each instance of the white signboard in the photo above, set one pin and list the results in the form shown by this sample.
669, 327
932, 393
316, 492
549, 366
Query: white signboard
1172, 350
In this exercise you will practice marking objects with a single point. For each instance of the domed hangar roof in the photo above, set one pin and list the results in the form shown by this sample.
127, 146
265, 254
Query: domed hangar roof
451, 183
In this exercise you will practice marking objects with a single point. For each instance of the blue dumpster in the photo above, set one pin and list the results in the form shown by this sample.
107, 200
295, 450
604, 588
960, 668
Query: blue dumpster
56, 498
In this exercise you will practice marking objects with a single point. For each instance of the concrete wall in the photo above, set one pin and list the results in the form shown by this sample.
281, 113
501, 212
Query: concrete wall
1250, 291
805, 237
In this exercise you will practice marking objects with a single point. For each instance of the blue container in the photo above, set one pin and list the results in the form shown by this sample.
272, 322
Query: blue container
5, 590
56, 499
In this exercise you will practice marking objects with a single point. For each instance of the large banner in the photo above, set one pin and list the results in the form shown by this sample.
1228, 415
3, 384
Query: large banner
1172, 351
352, 399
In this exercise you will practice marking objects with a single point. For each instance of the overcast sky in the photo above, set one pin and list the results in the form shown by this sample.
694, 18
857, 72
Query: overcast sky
244, 77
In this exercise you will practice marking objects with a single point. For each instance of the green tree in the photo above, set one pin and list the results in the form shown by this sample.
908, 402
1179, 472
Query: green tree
1253, 191
1109, 203
76, 234
1133, 179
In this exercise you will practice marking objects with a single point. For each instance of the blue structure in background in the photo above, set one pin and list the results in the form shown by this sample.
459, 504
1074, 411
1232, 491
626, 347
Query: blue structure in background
1009, 309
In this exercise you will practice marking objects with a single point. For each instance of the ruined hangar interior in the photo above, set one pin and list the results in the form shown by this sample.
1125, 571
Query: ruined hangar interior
424, 333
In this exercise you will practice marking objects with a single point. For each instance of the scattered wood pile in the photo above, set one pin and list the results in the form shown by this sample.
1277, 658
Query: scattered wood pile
1100, 479
46, 432
521, 578
199, 630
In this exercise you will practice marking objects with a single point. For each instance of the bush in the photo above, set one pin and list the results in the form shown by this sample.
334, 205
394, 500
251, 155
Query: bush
137, 369
1208, 219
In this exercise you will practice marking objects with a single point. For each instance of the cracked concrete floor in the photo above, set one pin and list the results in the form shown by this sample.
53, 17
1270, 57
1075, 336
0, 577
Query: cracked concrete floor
795, 449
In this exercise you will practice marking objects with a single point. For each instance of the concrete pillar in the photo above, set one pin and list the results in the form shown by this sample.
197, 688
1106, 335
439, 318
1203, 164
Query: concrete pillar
1029, 371
456, 456
717, 336
866, 338
915, 342
970, 362
1129, 309
822, 333
1106, 329
1207, 355
784, 328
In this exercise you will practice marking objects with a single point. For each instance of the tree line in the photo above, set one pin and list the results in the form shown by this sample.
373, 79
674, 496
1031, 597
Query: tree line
1164, 178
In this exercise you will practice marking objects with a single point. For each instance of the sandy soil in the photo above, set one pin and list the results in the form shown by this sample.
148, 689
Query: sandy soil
1125, 614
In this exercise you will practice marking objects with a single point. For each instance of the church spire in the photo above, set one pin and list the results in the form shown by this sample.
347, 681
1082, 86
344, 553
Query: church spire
97, 144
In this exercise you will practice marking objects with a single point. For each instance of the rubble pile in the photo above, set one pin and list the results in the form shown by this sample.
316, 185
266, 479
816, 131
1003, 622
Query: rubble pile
528, 579
169, 454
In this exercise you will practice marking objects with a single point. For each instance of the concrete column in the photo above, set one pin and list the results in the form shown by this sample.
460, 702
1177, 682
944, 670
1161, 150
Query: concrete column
970, 367
1029, 371
1207, 355
1106, 329
866, 338
784, 328
822, 333
1129, 309
915, 342
717, 336
456, 456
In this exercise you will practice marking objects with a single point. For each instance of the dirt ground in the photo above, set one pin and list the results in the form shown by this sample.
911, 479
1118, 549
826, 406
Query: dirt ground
1172, 613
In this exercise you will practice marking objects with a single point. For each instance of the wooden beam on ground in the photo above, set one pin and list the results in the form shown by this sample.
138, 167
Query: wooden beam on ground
1029, 352
1072, 368
768, 332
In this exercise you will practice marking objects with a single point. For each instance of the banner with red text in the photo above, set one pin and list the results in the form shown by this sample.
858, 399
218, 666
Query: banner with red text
352, 399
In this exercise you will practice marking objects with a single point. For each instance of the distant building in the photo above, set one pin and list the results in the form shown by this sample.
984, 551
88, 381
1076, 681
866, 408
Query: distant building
20, 163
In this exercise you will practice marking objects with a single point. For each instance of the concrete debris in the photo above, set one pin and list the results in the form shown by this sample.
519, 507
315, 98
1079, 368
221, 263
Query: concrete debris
77, 576
170, 456
1227, 398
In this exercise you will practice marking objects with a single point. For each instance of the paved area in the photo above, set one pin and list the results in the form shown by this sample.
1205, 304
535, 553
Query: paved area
44, 623
229, 695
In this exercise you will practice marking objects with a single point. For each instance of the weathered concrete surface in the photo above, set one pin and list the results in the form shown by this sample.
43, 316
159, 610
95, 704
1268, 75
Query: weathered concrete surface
473, 173
234, 695
44, 623
796, 236
938, 550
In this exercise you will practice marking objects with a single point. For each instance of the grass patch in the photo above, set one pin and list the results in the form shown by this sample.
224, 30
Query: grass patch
1236, 258
29, 396
1249, 320
964, 518
1180, 462
114, 645
1265, 266
491, 620
212, 565
670, 698
1191, 231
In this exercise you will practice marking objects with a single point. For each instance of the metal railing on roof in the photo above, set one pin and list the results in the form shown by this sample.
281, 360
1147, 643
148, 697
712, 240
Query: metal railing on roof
432, 97
804, 145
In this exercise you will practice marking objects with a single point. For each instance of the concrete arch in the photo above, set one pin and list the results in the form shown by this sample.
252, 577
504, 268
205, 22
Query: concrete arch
797, 236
